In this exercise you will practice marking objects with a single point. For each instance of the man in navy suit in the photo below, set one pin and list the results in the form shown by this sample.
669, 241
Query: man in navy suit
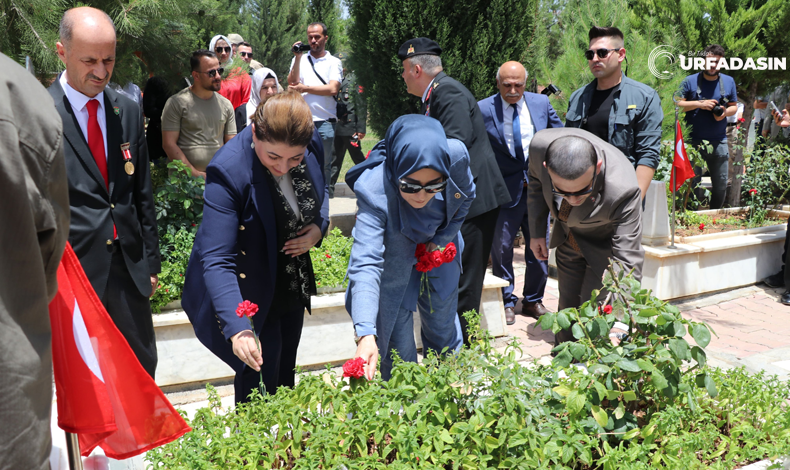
512, 117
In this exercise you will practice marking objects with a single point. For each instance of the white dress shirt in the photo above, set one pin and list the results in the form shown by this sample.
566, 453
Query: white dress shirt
79, 103
330, 68
425, 93
527, 131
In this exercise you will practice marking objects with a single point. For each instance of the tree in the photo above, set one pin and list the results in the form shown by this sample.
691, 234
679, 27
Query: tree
476, 36
271, 27
328, 12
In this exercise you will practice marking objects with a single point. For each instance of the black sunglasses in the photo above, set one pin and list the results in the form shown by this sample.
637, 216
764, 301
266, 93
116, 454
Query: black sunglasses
213, 72
219, 49
577, 193
411, 188
602, 53
246, 54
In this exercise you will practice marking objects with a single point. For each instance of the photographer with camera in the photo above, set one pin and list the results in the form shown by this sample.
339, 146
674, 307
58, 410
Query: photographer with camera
709, 98
317, 76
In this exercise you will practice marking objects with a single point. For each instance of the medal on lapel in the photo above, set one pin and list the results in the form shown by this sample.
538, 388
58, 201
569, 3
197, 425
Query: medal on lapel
127, 156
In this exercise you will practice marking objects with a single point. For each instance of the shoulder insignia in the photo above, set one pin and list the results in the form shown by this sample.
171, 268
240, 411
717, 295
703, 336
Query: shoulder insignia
435, 84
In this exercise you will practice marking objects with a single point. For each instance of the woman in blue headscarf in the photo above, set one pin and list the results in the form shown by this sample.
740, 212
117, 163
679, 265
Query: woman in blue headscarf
415, 187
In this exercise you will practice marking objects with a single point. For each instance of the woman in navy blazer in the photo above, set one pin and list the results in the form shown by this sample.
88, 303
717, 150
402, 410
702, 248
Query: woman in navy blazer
415, 187
266, 205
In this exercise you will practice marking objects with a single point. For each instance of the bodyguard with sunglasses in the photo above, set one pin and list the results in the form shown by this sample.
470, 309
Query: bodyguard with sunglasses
591, 190
621, 111
197, 121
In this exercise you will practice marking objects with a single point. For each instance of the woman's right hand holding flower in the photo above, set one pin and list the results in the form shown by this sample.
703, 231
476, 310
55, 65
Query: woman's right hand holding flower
369, 352
244, 348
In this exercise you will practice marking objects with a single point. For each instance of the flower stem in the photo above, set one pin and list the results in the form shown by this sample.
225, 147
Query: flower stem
258, 345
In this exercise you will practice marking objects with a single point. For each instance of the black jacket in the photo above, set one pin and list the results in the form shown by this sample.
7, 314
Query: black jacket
455, 107
129, 202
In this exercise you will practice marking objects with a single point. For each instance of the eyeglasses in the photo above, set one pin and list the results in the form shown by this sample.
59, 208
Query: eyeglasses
213, 72
411, 188
583, 192
219, 49
602, 53
246, 54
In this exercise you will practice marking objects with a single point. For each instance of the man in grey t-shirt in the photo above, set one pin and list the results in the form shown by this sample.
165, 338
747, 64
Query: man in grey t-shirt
197, 121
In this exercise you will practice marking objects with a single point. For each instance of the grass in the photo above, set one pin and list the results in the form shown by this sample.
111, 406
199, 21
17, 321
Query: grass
368, 142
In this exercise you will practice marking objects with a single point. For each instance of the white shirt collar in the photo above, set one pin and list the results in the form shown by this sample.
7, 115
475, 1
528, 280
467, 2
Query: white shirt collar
425, 93
519, 104
316, 59
77, 100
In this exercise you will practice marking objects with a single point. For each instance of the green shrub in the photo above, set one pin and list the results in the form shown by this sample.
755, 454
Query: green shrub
330, 261
178, 197
482, 409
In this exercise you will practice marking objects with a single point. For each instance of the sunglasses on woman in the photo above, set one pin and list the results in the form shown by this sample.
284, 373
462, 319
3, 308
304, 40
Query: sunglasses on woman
220, 49
412, 188
602, 53
213, 72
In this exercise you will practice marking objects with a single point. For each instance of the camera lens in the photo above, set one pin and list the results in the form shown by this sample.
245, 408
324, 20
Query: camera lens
718, 110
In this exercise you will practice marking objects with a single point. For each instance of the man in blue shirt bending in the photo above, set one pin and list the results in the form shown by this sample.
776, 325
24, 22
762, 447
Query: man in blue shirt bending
709, 97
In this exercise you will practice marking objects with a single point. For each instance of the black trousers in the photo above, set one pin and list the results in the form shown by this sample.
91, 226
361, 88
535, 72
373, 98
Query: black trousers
478, 233
279, 341
343, 143
131, 311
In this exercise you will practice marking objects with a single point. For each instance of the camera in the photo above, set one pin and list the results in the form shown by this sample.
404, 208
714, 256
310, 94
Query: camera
550, 90
301, 48
720, 108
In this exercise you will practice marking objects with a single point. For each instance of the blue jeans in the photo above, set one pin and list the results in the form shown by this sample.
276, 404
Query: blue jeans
439, 329
326, 130
717, 166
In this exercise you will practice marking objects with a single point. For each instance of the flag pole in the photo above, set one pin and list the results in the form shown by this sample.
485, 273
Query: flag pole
73, 447
674, 176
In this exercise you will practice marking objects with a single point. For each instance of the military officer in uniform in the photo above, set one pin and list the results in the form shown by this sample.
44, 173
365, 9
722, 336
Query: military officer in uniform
352, 114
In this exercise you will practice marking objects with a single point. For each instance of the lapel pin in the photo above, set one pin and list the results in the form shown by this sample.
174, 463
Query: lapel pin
127, 156
117, 110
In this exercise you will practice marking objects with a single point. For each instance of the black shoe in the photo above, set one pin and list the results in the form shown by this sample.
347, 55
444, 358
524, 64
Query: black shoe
777, 280
786, 297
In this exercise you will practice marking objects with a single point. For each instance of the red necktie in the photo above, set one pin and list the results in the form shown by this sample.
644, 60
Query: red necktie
96, 144
96, 141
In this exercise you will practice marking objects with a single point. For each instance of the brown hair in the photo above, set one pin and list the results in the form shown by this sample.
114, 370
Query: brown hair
284, 118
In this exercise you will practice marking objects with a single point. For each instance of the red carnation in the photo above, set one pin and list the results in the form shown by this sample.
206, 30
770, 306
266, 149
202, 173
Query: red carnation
752, 191
702, 226
436, 258
607, 309
449, 252
354, 368
424, 265
247, 308
328, 255
421, 250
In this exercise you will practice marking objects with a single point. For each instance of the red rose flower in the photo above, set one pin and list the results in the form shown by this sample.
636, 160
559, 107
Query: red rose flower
421, 250
702, 226
752, 192
607, 309
328, 255
436, 258
354, 368
247, 308
449, 252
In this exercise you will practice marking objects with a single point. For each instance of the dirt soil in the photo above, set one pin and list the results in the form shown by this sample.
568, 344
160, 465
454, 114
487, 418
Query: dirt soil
726, 223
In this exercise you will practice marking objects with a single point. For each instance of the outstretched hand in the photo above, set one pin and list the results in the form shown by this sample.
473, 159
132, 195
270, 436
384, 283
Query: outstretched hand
245, 348
369, 352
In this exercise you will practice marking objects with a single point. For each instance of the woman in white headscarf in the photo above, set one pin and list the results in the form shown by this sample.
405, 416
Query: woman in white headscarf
264, 85
225, 53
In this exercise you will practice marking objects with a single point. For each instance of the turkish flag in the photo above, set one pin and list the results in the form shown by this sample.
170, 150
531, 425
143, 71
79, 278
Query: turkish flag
104, 395
681, 166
